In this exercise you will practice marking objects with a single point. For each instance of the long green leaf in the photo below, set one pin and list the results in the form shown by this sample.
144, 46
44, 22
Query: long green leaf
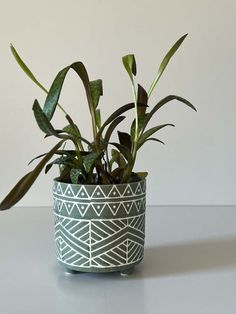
55, 89
111, 128
150, 132
114, 115
164, 63
150, 139
26, 69
22, 187
39, 156
163, 102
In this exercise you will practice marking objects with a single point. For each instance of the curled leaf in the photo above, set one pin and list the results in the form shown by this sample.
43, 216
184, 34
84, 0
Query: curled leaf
130, 65
96, 91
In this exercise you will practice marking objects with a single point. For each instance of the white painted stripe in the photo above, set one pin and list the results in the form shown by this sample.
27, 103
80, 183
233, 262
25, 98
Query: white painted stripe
104, 219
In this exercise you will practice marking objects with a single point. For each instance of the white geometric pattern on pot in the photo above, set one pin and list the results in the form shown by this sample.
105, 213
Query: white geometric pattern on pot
89, 243
98, 207
99, 193
82, 193
114, 192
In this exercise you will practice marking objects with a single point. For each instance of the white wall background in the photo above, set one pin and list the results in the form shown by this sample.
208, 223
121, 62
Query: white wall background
197, 166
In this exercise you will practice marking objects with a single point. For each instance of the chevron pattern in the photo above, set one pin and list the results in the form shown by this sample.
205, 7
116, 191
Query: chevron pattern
99, 243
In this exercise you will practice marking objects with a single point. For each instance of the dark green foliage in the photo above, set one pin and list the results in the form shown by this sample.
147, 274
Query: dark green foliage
100, 160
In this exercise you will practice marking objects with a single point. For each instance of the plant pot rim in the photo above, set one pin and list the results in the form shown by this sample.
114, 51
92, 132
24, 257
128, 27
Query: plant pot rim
94, 185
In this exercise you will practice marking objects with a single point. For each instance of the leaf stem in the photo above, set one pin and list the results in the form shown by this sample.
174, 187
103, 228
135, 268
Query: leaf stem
130, 166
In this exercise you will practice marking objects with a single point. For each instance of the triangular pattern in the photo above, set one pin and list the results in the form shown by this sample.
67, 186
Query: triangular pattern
98, 193
114, 192
63, 206
98, 208
82, 208
128, 191
59, 189
69, 191
137, 205
114, 207
59, 205
82, 193
69, 206
138, 190
127, 206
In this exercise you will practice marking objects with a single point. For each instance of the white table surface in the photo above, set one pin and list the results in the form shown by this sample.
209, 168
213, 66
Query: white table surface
189, 267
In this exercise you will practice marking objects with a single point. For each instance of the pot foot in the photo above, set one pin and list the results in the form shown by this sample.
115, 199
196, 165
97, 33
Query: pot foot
70, 271
127, 272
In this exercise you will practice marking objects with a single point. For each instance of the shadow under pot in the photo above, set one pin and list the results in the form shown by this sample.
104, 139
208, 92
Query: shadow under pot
99, 228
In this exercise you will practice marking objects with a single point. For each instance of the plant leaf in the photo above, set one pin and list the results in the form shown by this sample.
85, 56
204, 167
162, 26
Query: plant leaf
39, 156
142, 174
118, 158
67, 160
141, 121
142, 98
75, 173
165, 61
111, 128
117, 175
96, 91
114, 115
151, 131
150, 139
22, 187
26, 69
125, 139
72, 130
55, 89
98, 118
43, 121
163, 102
130, 65
124, 151
90, 159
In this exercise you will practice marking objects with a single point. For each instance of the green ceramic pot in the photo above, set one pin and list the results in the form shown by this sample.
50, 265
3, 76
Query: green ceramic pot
99, 228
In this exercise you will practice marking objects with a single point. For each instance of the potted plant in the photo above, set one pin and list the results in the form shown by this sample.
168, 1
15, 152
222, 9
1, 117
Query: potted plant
99, 200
